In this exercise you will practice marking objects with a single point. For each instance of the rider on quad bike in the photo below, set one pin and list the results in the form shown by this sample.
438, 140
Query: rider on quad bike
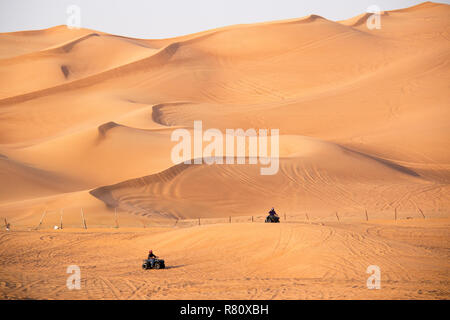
273, 216
153, 262
151, 257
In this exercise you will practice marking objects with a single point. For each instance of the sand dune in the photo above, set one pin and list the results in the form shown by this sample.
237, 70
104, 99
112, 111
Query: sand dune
24, 42
86, 120
29, 182
372, 101
69, 61
314, 175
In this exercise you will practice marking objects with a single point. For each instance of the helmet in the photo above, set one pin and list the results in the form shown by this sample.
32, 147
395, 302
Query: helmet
150, 251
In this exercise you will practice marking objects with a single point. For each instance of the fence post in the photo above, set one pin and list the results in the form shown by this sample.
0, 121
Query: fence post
395, 213
307, 218
42, 219
252, 218
367, 216
115, 217
82, 217
176, 222
61, 219
422, 213
7, 225
337, 216
230, 219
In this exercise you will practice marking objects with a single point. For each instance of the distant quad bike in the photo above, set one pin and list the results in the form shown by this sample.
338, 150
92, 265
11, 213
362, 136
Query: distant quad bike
157, 264
272, 219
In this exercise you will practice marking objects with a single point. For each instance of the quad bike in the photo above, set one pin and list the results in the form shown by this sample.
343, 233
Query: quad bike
272, 219
157, 264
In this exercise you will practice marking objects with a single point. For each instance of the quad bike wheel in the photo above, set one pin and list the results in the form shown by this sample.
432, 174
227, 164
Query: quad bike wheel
156, 265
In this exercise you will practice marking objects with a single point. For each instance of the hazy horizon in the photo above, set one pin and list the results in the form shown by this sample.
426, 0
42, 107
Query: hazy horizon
163, 19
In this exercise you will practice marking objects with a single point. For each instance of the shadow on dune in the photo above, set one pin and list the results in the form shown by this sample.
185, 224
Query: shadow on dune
175, 267
69, 46
385, 162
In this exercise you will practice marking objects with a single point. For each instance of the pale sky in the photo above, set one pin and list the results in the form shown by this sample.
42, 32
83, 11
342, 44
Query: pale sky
169, 18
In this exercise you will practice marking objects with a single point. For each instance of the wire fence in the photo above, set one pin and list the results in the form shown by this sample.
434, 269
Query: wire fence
58, 220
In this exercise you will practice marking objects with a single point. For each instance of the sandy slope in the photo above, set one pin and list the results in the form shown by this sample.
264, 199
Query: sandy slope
86, 119
318, 181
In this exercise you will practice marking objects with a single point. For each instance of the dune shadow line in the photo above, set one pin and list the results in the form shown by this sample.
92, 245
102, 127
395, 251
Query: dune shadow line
174, 267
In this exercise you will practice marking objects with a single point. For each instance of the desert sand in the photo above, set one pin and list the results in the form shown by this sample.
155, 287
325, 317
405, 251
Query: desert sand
86, 120
232, 261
